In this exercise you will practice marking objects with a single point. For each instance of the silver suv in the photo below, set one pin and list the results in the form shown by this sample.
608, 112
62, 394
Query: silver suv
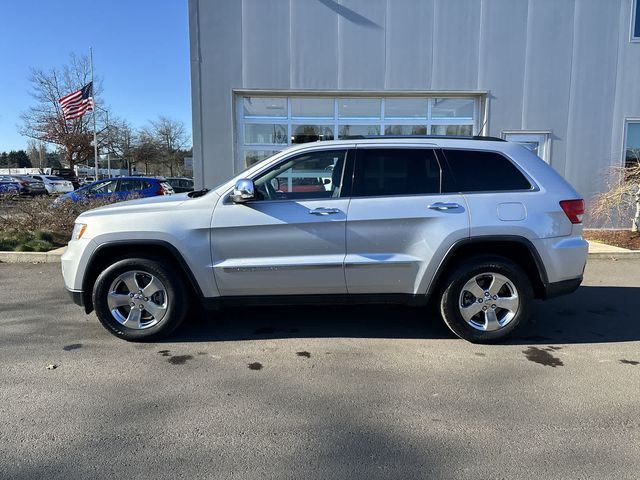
480, 226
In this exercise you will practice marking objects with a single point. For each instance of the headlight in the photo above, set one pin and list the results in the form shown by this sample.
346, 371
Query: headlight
78, 231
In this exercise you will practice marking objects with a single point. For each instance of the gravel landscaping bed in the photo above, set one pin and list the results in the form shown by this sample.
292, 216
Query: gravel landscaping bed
617, 238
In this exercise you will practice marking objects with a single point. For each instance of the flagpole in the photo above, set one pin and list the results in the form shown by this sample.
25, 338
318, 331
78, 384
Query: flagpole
95, 135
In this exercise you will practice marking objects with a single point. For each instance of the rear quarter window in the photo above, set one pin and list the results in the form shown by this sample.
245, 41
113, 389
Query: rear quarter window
480, 171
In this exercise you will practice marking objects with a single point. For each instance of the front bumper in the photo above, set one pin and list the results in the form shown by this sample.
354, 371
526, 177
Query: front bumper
77, 296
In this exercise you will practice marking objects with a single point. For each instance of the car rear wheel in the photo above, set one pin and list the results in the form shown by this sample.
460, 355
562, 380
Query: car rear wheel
486, 299
140, 298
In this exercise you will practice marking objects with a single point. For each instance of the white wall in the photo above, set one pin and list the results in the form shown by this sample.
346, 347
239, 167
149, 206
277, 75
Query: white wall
560, 65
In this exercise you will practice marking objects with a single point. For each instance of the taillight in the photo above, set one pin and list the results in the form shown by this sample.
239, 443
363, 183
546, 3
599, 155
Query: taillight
165, 189
573, 209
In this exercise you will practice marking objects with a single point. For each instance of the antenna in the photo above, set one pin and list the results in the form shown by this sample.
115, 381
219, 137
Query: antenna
483, 125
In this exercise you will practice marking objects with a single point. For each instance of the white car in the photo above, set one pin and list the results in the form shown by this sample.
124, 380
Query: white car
480, 226
54, 185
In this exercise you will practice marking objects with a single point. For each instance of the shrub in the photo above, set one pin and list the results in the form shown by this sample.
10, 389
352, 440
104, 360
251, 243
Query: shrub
620, 201
35, 224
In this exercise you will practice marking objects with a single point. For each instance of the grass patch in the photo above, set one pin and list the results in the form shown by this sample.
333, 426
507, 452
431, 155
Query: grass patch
39, 241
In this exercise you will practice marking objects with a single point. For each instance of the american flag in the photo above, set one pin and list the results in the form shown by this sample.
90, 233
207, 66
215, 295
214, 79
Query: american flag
77, 103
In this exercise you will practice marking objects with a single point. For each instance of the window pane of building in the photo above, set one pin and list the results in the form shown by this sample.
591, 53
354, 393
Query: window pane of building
350, 130
257, 133
453, 108
312, 107
395, 172
405, 130
311, 133
268, 124
406, 107
452, 129
254, 156
264, 107
359, 107
632, 153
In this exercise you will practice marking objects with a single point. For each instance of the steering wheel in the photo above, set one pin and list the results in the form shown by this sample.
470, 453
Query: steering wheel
266, 190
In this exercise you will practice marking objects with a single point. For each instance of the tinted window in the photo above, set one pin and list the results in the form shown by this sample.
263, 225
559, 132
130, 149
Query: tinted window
131, 185
478, 171
396, 171
636, 20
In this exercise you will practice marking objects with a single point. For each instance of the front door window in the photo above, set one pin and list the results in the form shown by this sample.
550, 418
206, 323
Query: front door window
307, 176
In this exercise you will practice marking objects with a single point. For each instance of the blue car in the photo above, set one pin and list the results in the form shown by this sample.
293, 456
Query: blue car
9, 186
121, 188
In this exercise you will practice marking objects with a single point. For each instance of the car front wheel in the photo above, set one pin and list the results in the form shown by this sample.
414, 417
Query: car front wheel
486, 299
140, 298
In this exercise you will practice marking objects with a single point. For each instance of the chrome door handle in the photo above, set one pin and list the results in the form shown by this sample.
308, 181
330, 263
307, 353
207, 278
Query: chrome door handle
444, 206
324, 211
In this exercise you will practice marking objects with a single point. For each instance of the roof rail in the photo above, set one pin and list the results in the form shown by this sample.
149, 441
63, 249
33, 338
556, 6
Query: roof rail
444, 137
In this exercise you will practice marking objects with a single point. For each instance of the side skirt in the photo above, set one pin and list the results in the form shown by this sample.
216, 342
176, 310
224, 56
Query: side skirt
342, 299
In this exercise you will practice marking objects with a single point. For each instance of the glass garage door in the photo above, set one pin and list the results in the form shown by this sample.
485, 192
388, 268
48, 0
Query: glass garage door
267, 125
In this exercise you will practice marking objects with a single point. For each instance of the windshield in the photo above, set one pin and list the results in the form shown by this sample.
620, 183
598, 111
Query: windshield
54, 178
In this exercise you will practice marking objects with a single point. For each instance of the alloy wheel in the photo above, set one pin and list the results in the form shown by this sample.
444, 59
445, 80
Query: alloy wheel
137, 300
488, 301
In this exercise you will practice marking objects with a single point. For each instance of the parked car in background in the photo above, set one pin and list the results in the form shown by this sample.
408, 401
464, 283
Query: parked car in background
28, 186
68, 174
180, 184
86, 180
121, 187
8, 186
54, 185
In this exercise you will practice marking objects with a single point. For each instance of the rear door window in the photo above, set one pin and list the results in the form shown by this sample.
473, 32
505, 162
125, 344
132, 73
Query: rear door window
480, 171
396, 171
130, 185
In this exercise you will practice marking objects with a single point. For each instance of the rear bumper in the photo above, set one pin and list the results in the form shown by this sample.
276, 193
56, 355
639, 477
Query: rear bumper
564, 287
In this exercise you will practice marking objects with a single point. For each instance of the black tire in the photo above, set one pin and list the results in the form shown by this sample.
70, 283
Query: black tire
178, 297
455, 282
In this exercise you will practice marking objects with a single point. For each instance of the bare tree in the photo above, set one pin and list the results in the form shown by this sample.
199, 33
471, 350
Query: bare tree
121, 141
45, 122
171, 137
146, 151
621, 198
37, 151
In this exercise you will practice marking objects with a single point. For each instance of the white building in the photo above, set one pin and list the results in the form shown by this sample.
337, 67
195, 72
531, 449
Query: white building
561, 75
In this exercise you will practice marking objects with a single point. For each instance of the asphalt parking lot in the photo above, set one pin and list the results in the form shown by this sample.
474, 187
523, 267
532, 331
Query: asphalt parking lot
322, 392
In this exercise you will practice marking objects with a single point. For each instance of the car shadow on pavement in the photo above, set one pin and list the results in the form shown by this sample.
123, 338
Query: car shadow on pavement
592, 314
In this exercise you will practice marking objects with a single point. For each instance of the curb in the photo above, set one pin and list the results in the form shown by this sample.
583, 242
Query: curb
631, 254
52, 256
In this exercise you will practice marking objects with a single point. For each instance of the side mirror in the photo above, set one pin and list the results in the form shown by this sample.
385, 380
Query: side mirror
243, 191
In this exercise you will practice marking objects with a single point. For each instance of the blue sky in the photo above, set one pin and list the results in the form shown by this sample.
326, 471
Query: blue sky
140, 50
